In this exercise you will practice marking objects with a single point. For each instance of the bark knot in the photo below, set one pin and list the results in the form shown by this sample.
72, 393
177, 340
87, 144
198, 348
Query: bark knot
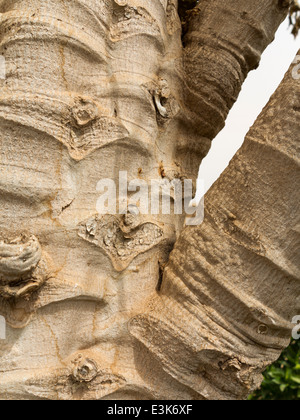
23, 270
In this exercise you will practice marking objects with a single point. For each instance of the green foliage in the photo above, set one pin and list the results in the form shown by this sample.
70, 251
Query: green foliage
282, 379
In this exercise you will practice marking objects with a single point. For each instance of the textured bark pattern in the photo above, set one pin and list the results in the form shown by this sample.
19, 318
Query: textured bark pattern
232, 286
80, 103
224, 41
93, 88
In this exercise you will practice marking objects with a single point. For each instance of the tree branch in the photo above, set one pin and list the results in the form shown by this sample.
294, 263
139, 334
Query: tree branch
224, 40
232, 285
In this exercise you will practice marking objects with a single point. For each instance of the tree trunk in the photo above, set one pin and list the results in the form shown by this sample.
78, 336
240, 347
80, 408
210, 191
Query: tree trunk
93, 88
231, 288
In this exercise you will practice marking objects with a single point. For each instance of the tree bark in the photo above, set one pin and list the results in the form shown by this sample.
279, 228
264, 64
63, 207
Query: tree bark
93, 88
231, 288
223, 42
